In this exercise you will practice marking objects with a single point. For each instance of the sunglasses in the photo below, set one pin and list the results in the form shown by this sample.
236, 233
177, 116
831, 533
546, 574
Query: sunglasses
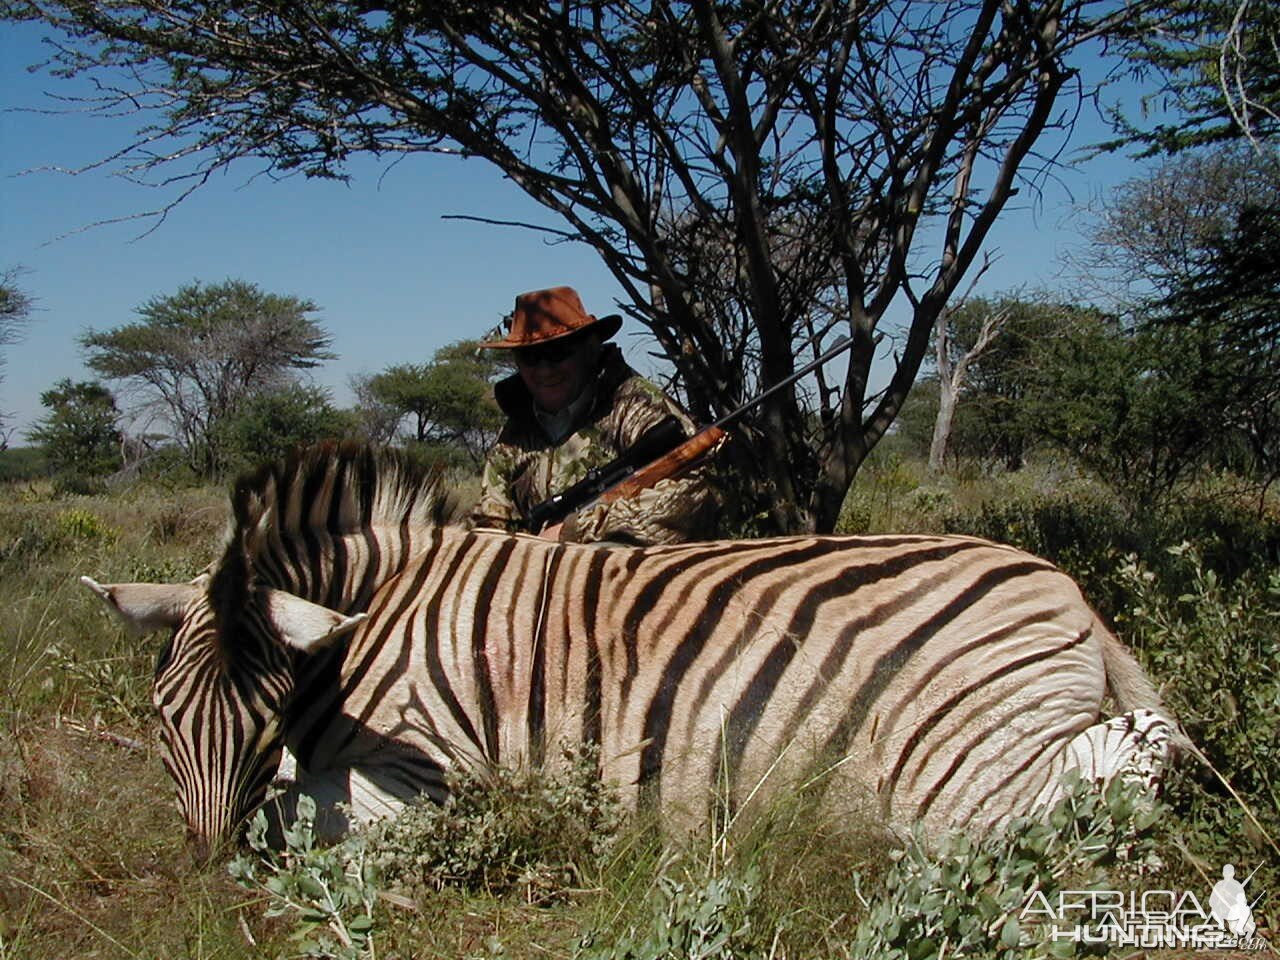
548, 354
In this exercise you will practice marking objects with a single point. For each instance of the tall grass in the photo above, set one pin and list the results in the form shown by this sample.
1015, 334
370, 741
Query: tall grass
90, 862
92, 859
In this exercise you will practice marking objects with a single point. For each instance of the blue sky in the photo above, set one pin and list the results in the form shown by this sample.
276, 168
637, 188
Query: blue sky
394, 280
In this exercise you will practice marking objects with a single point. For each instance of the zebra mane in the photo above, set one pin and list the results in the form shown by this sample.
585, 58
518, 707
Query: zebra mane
329, 523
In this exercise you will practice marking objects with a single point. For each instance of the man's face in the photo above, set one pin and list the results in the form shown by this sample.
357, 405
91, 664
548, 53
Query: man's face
557, 372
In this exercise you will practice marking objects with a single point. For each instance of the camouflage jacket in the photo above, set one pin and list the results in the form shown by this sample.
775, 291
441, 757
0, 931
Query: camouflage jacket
526, 467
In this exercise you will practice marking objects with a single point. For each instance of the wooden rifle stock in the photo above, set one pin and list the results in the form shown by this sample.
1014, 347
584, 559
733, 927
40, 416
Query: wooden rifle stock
668, 465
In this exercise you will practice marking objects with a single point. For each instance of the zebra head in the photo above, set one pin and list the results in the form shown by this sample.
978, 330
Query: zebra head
221, 687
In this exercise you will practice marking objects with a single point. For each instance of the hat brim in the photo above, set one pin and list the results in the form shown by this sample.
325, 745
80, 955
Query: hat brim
604, 327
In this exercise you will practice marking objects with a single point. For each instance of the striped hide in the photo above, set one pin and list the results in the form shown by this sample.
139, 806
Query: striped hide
946, 680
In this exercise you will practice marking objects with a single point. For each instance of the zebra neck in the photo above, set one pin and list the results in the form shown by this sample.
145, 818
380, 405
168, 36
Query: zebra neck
342, 571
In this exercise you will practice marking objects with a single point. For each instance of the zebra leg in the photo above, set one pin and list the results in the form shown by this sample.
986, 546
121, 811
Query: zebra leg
1134, 746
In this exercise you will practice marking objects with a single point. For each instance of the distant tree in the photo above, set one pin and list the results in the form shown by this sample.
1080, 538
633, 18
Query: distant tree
377, 422
952, 360
15, 308
15, 312
914, 425
81, 434
448, 402
1193, 254
201, 353
992, 406
1230, 296
25, 463
1216, 68
267, 425
1152, 231
1135, 406
756, 176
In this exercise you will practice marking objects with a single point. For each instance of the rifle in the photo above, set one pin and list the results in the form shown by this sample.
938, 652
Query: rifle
662, 451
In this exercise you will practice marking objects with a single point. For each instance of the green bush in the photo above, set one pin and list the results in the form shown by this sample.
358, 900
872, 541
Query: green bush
1217, 643
963, 897
329, 892
23, 463
504, 829
85, 525
31, 536
1089, 537
700, 919
267, 426
116, 686
1086, 537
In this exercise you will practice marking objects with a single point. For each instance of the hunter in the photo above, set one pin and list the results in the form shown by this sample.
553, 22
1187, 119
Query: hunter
574, 404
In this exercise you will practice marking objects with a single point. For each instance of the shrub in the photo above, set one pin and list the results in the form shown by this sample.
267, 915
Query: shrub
84, 525
117, 686
1090, 538
1086, 537
963, 897
268, 425
29, 537
504, 829
23, 463
1218, 644
330, 892
690, 920
80, 435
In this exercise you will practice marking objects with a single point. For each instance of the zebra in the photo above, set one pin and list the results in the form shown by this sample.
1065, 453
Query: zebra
941, 679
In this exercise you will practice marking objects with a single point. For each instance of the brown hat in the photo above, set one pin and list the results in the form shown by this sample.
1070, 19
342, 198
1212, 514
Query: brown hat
544, 315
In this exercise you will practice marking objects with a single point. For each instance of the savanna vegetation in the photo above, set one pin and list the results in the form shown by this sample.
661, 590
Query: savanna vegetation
1125, 428
93, 861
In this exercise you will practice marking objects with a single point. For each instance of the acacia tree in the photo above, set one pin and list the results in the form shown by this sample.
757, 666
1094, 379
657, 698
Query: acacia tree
758, 177
1188, 255
1152, 232
1216, 68
81, 433
1132, 404
448, 400
1231, 297
199, 354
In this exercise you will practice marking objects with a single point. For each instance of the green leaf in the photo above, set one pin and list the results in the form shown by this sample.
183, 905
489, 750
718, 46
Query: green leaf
1011, 933
1062, 948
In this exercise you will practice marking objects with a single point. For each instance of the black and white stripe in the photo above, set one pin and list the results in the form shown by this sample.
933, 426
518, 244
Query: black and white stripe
941, 679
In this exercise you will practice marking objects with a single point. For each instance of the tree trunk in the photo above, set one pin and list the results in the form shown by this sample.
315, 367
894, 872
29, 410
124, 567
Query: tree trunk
951, 377
942, 425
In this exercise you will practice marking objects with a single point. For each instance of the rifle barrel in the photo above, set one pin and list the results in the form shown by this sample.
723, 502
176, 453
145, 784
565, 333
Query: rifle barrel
841, 345
662, 451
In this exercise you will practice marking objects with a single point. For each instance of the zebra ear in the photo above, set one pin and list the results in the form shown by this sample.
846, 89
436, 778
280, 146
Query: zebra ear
307, 626
147, 606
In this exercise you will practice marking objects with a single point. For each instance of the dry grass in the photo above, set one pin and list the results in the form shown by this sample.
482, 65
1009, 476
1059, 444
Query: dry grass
92, 862
92, 859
